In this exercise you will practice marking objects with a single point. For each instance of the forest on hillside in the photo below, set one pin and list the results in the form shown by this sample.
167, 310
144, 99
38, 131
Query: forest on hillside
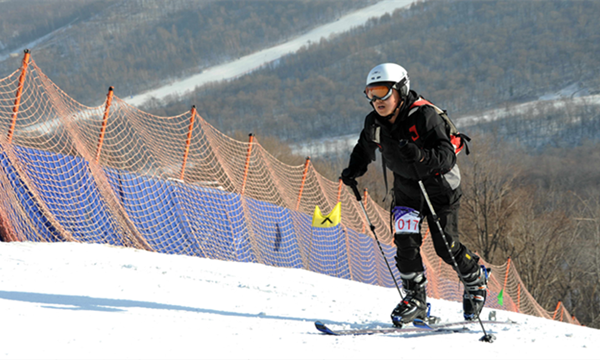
547, 125
464, 56
25, 21
135, 45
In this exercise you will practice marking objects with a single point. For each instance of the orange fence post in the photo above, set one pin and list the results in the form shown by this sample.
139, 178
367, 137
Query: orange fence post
109, 97
562, 312
6, 232
506, 274
519, 298
11, 130
247, 166
364, 229
188, 141
556, 310
303, 180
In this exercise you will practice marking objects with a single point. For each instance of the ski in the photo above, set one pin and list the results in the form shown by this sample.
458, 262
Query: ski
448, 327
420, 327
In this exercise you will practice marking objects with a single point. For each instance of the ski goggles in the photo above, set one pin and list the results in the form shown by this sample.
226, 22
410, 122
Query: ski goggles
378, 92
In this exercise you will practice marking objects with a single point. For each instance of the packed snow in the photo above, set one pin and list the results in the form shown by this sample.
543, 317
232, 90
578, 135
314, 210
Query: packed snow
90, 301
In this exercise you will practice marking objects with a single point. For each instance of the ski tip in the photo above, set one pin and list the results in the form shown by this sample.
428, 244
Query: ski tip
323, 328
319, 325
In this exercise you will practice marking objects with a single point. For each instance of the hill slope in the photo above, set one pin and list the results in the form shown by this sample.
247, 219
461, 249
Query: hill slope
133, 45
462, 55
84, 301
246, 64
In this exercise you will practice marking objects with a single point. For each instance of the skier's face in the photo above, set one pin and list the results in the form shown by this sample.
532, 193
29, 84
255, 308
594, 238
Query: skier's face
386, 107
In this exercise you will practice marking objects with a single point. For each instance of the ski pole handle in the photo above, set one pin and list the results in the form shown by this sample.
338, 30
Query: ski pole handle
356, 193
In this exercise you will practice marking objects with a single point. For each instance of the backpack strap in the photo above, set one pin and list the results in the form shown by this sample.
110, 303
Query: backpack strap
420, 102
458, 140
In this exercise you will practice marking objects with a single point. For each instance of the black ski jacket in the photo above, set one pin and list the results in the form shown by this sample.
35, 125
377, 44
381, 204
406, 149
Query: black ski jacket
426, 128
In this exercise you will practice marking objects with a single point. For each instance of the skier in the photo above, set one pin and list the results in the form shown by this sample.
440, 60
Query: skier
415, 146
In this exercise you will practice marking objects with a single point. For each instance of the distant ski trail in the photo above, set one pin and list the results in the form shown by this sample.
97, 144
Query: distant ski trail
249, 63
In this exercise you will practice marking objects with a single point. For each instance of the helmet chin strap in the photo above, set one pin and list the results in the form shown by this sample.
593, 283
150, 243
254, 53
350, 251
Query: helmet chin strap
391, 115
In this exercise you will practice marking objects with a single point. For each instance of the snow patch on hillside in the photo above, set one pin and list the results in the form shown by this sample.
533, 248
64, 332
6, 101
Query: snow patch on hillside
252, 62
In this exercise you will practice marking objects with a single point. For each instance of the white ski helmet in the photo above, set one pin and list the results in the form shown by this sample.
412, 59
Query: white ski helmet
390, 72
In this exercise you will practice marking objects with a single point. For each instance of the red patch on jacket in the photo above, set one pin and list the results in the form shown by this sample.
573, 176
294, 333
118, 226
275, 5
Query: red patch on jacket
413, 130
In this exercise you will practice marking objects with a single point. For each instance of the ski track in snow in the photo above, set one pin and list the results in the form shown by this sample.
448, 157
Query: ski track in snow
249, 63
90, 301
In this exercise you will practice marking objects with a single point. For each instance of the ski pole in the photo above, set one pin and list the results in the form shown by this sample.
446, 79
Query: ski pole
486, 337
372, 227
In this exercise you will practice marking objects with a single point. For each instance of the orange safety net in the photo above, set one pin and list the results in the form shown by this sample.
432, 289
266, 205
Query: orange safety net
116, 175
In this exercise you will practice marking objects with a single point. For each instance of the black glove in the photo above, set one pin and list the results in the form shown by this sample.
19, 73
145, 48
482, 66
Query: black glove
409, 152
348, 177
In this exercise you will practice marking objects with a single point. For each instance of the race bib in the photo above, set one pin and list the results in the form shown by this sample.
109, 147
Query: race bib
406, 220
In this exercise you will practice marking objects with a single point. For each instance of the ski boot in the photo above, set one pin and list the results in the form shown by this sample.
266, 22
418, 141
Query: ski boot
413, 305
475, 293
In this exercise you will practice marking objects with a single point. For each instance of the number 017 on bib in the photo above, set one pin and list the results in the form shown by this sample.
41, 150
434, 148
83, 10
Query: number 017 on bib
406, 220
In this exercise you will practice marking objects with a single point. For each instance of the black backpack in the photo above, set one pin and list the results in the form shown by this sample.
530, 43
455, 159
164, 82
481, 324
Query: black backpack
457, 139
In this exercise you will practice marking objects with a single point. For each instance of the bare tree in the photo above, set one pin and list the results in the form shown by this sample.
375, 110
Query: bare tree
540, 244
584, 294
489, 200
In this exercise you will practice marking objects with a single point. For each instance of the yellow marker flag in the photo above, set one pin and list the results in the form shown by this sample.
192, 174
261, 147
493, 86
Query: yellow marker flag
329, 220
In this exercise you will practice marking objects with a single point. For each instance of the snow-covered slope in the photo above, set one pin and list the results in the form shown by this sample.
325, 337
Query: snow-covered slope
86, 301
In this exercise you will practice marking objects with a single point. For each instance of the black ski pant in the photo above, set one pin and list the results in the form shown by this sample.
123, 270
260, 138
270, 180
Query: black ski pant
408, 254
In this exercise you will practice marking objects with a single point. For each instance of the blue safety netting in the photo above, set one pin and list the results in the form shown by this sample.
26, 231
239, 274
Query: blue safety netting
176, 218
